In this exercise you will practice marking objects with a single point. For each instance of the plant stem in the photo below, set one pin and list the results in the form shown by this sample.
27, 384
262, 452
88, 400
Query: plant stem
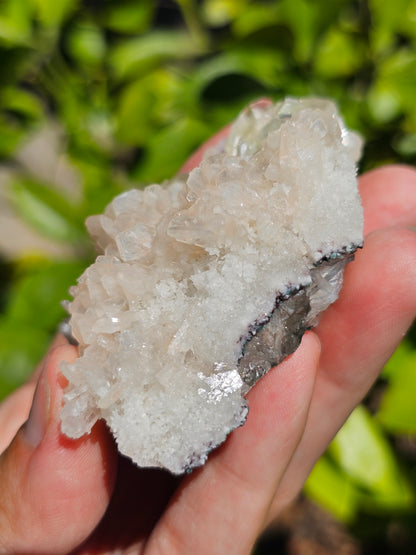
196, 29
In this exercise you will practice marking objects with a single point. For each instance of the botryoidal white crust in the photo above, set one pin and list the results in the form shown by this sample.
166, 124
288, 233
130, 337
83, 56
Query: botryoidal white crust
205, 282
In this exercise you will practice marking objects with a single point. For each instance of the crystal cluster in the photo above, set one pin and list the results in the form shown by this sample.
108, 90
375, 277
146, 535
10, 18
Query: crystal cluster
207, 281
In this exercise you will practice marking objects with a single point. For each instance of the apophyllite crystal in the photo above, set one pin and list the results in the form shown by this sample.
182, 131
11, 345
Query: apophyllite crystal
207, 281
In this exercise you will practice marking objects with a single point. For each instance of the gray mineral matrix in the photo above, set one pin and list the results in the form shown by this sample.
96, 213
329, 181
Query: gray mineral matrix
207, 281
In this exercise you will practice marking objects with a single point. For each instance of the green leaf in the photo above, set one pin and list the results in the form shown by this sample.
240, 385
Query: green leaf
100, 184
255, 18
146, 104
49, 212
406, 145
32, 316
168, 149
15, 22
22, 101
397, 411
222, 12
394, 89
339, 54
10, 137
129, 16
402, 358
36, 297
333, 490
383, 102
303, 18
21, 109
142, 54
408, 20
363, 452
264, 65
86, 43
389, 19
52, 13
21, 348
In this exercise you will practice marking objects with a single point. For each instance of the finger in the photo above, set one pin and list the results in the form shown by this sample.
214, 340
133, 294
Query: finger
389, 197
235, 488
139, 498
358, 334
54, 490
14, 410
58, 341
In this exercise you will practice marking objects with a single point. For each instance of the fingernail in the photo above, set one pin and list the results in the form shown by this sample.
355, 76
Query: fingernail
35, 427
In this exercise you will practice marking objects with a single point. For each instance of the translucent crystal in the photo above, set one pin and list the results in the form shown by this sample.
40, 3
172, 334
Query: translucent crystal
206, 282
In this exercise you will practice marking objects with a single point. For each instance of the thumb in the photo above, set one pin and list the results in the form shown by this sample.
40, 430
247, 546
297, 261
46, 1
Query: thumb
54, 490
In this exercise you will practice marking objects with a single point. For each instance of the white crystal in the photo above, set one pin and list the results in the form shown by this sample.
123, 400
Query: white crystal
205, 282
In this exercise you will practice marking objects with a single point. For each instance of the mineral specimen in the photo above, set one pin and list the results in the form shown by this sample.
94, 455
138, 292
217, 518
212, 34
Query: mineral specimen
207, 281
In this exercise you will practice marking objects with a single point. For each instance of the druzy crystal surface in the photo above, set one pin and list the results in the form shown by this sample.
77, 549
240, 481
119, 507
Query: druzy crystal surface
205, 282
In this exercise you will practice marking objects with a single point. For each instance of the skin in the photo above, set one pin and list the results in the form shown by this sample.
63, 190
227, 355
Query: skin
79, 496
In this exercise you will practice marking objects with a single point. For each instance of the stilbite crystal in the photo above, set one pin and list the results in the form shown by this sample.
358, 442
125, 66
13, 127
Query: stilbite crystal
207, 281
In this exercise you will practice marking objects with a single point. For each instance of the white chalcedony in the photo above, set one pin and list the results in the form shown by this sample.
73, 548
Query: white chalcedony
205, 282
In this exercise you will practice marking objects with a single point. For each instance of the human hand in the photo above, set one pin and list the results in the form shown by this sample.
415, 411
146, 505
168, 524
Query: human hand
60, 495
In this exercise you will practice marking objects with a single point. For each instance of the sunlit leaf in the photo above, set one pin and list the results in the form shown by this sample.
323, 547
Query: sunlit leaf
394, 88
86, 43
15, 22
333, 490
255, 18
37, 295
128, 16
383, 102
10, 138
408, 20
22, 102
402, 358
146, 104
139, 55
303, 18
168, 149
99, 184
397, 411
261, 64
221, 12
406, 145
52, 13
21, 348
363, 452
46, 210
339, 54
389, 19
32, 315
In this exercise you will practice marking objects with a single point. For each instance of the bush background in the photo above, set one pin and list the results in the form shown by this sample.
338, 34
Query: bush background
99, 96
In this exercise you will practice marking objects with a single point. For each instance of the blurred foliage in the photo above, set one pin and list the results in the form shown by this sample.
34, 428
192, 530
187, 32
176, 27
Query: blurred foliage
367, 477
135, 86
